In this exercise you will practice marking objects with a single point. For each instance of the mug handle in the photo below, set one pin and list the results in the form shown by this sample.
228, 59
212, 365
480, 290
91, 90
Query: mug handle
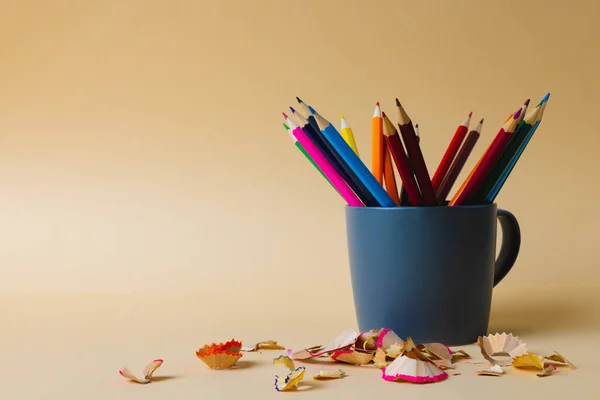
511, 242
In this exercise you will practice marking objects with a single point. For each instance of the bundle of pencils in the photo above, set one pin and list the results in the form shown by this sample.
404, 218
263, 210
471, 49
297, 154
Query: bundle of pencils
335, 155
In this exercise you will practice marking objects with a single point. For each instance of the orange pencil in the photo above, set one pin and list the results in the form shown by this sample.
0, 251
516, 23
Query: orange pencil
377, 145
388, 175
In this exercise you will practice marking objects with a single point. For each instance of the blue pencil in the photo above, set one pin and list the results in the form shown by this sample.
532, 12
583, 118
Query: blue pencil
496, 189
353, 161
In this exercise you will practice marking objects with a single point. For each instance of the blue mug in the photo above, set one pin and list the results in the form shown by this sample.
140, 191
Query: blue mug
428, 272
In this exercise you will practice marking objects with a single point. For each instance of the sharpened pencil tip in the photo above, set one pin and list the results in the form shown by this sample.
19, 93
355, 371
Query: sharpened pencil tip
377, 104
481, 121
286, 127
546, 97
527, 102
470, 114
516, 116
299, 100
383, 114
416, 125
312, 110
342, 116
292, 109
398, 103
284, 115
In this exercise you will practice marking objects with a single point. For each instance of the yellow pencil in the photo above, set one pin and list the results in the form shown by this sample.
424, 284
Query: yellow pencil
348, 135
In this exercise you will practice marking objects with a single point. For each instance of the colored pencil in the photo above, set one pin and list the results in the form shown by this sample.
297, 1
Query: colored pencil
388, 175
334, 177
306, 113
450, 153
403, 196
458, 163
512, 146
348, 136
377, 156
490, 156
335, 159
397, 151
303, 151
353, 162
413, 151
496, 189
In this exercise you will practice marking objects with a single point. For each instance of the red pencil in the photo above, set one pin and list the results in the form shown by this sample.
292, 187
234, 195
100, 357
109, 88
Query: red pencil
397, 151
488, 160
413, 151
450, 153
458, 163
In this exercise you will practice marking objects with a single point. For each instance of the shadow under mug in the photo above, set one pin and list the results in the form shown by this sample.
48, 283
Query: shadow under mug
428, 272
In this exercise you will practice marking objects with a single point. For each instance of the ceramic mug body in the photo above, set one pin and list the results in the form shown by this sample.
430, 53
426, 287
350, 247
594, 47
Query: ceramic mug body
428, 272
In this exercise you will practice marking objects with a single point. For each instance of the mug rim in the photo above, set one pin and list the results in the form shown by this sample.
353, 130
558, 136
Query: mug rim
424, 208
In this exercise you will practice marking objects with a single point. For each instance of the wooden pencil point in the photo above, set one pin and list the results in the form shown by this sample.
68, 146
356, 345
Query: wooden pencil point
403, 117
321, 122
301, 119
388, 128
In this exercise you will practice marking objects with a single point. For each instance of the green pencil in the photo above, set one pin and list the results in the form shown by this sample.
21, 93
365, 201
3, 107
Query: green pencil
301, 148
511, 148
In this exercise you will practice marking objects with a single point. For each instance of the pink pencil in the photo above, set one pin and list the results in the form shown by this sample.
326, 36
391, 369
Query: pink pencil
336, 180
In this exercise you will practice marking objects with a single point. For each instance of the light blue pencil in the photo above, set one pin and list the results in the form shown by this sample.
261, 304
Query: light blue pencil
496, 189
353, 161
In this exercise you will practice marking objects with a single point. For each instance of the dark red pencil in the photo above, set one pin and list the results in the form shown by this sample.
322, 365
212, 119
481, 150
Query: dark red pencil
397, 151
457, 165
450, 153
416, 157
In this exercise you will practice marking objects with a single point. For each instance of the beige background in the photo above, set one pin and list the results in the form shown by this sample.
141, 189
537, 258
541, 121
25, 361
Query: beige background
141, 151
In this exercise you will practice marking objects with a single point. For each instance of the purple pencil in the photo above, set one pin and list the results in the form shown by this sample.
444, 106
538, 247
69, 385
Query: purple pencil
334, 177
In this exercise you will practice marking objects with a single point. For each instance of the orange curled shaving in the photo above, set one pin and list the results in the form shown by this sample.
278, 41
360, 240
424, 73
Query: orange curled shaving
231, 347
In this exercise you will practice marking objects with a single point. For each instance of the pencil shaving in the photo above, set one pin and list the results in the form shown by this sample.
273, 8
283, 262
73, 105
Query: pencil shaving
456, 355
494, 370
503, 344
343, 341
291, 381
304, 353
380, 359
221, 355
266, 345
549, 370
352, 357
558, 358
387, 338
148, 372
529, 360
395, 350
329, 374
440, 354
285, 360
413, 366
367, 341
